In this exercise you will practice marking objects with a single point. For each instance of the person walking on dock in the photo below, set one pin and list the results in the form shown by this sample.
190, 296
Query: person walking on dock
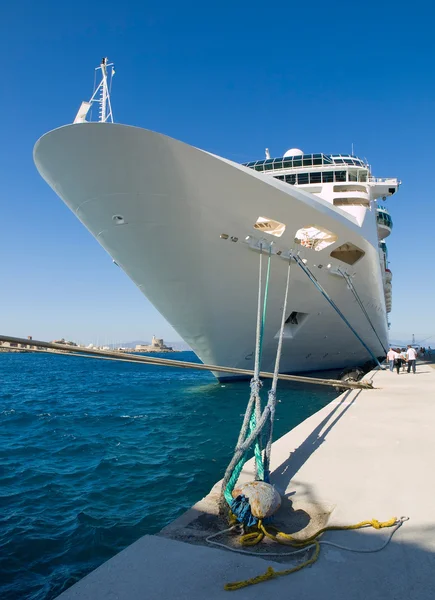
412, 357
399, 361
404, 358
391, 357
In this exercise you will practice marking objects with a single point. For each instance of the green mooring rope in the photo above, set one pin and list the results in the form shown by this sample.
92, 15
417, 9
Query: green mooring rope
254, 421
253, 411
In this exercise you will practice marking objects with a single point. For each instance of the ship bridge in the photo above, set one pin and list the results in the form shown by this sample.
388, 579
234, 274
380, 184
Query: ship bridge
311, 170
305, 160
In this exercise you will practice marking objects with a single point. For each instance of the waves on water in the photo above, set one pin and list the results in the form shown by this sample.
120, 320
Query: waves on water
95, 454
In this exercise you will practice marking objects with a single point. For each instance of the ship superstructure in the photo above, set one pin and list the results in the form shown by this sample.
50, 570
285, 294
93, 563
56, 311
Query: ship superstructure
188, 226
343, 180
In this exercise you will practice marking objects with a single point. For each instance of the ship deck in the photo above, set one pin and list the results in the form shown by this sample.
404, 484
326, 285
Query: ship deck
367, 454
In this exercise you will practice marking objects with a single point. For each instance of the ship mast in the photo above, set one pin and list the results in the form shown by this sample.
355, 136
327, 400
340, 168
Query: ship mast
104, 93
101, 96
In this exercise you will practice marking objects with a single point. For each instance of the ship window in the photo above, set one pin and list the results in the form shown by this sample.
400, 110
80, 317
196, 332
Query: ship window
328, 177
307, 161
293, 323
259, 167
280, 177
351, 202
291, 179
315, 177
268, 164
288, 164
314, 237
348, 253
317, 159
353, 175
302, 178
297, 162
277, 164
350, 188
269, 226
293, 318
362, 176
296, 318
340, 175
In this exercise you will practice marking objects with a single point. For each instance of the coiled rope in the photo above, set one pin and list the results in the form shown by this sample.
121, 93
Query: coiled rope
299, 546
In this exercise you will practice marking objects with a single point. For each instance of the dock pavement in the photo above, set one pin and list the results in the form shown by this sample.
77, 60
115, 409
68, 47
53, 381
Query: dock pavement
367, 454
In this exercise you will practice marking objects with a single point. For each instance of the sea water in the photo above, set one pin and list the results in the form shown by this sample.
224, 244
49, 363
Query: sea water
95, 454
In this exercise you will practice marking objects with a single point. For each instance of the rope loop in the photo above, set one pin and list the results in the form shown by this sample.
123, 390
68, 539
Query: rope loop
256, 386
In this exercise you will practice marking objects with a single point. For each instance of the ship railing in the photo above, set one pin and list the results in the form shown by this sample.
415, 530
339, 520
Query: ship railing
391, 180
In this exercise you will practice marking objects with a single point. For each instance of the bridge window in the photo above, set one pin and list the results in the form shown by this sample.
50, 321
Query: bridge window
302, 178
315, 177
384, 219
328, 177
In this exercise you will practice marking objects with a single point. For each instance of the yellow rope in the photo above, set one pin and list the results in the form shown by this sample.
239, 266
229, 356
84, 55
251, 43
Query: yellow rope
272, 574
284, 538
254, 537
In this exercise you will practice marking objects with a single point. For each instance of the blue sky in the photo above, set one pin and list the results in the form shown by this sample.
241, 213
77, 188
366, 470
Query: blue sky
231, 78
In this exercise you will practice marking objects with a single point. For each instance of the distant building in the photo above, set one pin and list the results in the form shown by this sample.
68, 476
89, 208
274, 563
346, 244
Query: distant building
18, 347
63, 341
157, 345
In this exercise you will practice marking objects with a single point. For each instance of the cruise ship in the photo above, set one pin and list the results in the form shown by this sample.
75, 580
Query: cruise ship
188, 227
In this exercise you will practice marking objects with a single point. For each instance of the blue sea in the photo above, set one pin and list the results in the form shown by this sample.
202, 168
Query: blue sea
95, 454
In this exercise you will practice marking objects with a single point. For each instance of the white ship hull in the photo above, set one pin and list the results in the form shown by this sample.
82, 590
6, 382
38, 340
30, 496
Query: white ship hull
173, 202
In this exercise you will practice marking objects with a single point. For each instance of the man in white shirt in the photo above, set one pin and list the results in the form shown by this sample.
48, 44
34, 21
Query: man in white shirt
411, 353
391, 357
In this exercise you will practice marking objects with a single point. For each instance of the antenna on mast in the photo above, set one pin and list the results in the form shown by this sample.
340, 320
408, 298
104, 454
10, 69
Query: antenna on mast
101, 96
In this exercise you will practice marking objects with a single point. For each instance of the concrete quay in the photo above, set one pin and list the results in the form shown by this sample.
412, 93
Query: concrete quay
368, 454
